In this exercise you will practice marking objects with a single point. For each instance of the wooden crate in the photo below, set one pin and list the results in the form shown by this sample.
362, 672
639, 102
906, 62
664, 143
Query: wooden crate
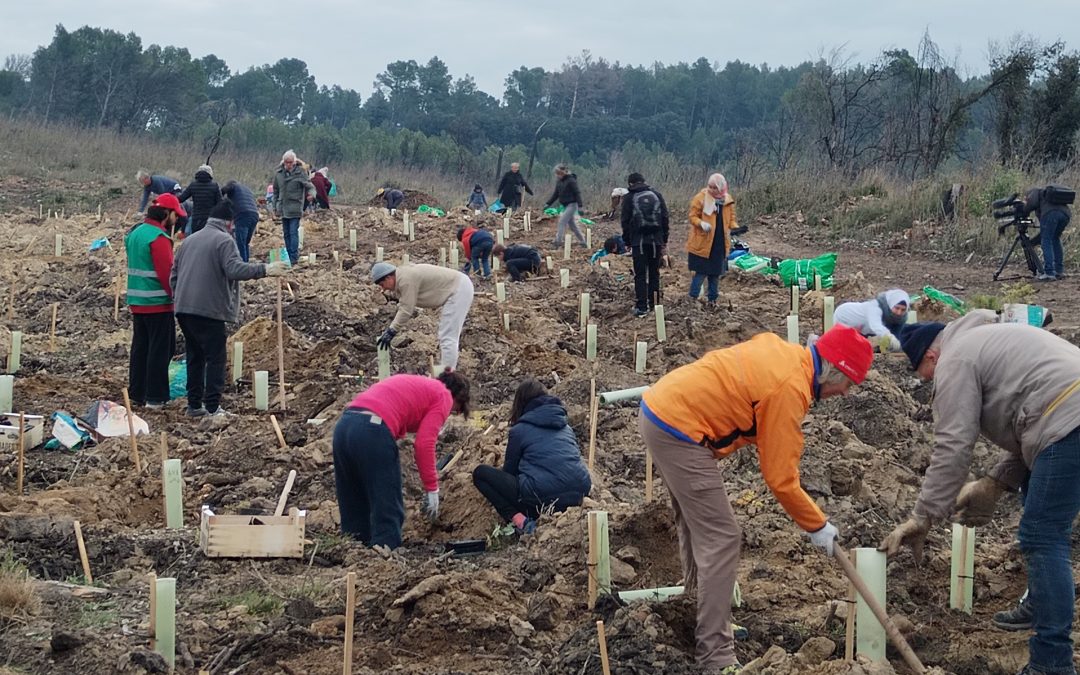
9, 432
252, 536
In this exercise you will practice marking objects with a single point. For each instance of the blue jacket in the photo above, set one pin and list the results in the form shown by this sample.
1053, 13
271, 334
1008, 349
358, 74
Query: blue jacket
243, 199
543, 453
159, 185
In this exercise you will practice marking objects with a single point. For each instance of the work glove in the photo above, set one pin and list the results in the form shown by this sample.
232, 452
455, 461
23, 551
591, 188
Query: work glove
976, 501
894, 344
384, 343
825, 537
911, 532
278, 268
430, 506
706, 226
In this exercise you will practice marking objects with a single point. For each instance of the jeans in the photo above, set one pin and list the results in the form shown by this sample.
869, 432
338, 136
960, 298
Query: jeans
243, 229
519, 267
480, 255
367, 479
1050, 228
153, 339
290, 229
568, 219
647, 275
714, 286
1051, 503
205, 339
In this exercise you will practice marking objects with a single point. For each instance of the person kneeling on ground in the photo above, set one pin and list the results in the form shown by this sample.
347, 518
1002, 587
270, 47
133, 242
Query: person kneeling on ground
520, 259
477, 199
477, 243
542, 470
205, 279
882, 317
367, 470
426, 286
754, 392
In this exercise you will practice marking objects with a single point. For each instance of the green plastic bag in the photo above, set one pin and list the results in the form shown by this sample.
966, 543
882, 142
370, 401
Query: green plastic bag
802, 272
437, 212
587, 221
945, 299
177, 379
553, 211
754, 263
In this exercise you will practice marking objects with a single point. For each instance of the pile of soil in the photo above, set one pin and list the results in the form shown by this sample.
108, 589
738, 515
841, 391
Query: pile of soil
413, 200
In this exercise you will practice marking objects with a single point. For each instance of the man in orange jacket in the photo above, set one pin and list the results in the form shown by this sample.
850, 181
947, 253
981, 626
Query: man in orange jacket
755, 392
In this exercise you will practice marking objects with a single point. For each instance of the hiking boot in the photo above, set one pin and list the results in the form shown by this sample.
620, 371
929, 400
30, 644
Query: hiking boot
1046, 277
641, 313
196, 412
1017, 618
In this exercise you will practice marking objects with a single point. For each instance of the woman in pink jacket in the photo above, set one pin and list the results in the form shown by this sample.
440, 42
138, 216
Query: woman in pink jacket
367, 471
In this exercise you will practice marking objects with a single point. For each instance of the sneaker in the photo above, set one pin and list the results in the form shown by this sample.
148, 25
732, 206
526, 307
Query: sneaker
739, 632
733, 669
153, 405
641, 313
528, 528
220, 412
1060, 275
1017, 618
196, 412
1046, 277
711, 304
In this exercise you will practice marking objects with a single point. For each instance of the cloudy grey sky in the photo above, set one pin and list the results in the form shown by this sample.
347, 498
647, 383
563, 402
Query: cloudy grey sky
348, 43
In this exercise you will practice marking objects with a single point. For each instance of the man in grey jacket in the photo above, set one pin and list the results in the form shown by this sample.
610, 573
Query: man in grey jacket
292, 189
1018, 386
206, 293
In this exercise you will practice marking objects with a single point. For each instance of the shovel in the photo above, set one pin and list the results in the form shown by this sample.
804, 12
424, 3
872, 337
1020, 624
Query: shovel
879, 612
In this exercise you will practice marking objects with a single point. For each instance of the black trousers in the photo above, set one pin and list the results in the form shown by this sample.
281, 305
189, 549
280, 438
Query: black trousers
519, 267
198, 223
367, 478
205, 340
501, 489
646, 275
153, 340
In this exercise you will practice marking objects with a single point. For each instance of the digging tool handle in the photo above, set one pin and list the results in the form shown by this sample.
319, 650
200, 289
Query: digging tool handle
285, 493
890, 628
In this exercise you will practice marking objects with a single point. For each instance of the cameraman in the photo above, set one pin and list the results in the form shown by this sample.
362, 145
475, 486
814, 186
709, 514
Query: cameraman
1053, 217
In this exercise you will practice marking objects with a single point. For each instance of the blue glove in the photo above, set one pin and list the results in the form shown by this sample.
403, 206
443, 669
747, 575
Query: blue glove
384, 340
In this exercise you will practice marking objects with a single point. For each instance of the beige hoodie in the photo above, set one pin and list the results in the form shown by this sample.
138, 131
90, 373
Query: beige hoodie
421, 285
1017, 385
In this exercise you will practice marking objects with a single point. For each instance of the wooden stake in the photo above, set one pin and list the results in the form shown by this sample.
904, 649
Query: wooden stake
648, 475
592, 422
153, 611
601, 637
116, 300
599, 558
22, 454
350, 618
277, 432
280, 348
849, 625
131, 434
52, 329
82, 553
11, 301
285, 493
164, 446
592, 561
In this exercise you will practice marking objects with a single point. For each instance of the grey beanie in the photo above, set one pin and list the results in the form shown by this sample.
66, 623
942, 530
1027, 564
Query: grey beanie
381, 270
207, 168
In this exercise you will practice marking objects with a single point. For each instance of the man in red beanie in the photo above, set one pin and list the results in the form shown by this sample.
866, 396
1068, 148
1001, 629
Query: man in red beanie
755, 392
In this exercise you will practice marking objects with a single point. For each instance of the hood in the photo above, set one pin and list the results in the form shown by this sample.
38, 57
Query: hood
217, 224
970, 321
478, 189
889, 299
896, 296
203, 177
640, 187
545, 411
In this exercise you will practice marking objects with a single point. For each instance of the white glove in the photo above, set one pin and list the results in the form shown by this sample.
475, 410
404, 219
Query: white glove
430, 507
705, 226
278, 268
825, 537
894, 344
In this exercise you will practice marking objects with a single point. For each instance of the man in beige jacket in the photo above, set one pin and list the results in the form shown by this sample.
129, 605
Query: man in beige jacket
427, 286
1018, 386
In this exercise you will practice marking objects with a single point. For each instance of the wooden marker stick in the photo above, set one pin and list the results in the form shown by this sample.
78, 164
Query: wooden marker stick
350, 618
849, 624
277, 432
11, 301
601, 637
592, 422
285, 493
52, 329
153, 611
131, 433
593, 561
648, 475
82, 553
116, 300
22, 454
280, 348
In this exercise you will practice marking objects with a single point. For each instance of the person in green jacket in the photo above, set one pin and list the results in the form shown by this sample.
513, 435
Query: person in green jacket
292, 189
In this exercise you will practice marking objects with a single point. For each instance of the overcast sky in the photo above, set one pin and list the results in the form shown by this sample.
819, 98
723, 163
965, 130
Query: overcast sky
348, 42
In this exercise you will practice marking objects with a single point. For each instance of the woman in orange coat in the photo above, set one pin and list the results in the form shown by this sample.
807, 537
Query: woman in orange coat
712, 213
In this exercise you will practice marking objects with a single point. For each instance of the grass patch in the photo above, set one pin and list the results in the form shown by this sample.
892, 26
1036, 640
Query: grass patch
258, 603
98, 615
17, 597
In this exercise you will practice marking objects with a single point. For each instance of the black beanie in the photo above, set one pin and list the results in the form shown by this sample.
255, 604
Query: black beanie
223, 210
635, 178
916, 338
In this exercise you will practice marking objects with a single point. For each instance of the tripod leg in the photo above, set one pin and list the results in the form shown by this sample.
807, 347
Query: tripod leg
1008, 254
1033, 262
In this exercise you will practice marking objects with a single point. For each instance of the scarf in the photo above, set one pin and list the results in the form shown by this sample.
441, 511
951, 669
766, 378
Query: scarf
886, 301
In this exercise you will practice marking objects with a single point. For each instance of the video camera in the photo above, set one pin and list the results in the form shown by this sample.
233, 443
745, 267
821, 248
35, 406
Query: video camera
1011, 211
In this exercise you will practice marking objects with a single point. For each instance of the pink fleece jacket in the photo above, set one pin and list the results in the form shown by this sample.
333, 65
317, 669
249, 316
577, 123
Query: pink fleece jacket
411, 404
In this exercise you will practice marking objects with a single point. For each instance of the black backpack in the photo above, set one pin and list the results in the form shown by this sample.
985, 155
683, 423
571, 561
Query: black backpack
1058, 195
647, 213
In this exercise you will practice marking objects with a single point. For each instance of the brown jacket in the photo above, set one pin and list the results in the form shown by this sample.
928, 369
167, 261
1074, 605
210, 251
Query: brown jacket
421, 285
700, 242
1017, 385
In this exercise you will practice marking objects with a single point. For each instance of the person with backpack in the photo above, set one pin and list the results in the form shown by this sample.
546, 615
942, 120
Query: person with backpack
712, 217
519, 259
478, 244
566, 193
542, 470
1051, 204
245, 215
645, 231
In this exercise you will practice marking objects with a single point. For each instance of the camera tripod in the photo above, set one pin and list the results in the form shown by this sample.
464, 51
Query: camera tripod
1024, 241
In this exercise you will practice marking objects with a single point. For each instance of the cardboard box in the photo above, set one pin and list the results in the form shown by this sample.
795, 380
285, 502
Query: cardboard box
9, 432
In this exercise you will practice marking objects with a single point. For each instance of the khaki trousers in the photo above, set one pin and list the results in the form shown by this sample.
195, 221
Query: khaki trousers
709, 537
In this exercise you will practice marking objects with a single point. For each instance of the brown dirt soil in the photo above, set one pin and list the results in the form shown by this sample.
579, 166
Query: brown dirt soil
519, 608
414, 199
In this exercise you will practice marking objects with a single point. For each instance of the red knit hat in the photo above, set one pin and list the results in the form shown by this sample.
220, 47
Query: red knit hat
843, 347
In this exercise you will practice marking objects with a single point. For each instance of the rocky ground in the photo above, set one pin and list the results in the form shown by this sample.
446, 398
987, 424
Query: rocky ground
520, 607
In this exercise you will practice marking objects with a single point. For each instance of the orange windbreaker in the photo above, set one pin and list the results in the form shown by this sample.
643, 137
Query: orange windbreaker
755, 392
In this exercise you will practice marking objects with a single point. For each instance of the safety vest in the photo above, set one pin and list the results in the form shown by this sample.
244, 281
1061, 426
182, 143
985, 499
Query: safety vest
143, 286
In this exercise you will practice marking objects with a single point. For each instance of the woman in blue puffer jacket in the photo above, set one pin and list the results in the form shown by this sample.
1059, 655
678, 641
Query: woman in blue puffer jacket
543, 470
